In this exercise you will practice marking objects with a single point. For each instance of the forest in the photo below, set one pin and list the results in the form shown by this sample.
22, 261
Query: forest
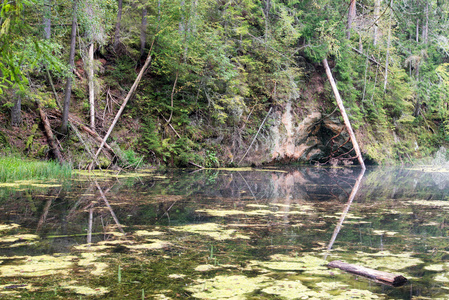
212, 83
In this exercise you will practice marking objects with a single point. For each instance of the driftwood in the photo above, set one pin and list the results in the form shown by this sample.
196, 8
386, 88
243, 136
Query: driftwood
50, 138
379, 276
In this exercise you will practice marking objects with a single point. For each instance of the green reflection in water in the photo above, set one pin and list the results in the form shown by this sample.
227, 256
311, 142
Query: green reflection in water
226, 234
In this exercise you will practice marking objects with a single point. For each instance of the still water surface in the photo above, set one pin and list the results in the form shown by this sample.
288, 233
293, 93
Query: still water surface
226, 234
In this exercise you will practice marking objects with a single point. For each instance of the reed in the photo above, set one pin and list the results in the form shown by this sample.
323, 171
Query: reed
14, 168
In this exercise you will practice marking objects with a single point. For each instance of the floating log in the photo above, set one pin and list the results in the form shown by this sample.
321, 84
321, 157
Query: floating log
379, 276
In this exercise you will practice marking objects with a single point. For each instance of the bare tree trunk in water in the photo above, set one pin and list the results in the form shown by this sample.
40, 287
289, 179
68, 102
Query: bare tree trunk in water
143, 32
91, 86
16, 112
68, 87
343, 113
117, 25
351, 17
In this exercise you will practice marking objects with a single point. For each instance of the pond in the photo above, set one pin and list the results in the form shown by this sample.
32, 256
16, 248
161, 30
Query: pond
226, 234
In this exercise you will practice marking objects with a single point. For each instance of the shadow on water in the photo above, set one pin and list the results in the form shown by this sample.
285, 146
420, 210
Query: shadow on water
222, 233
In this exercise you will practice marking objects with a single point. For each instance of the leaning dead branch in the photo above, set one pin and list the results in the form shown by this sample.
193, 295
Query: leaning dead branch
343, 113
122, 108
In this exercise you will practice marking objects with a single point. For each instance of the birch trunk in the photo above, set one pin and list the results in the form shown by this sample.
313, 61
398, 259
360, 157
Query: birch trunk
119, 113
91, 86
343, 113
47, 19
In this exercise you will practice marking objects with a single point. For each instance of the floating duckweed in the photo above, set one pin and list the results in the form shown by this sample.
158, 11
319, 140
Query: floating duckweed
308, 264
87, 291
436, 268
442, 277
155, 244
258, 212
5, 227
176, 276
212, 230
329, 286
257, 205
205, 268
35, 266
18, 237
145, 232
356, 294
294, 290
387, 260
383, 232
89, 260
435, 203
231, 287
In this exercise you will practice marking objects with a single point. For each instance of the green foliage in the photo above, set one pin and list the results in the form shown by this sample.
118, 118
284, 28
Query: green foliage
130, 159
211, 159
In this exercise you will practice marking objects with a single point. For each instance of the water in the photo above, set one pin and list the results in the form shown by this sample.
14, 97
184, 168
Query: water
226, 234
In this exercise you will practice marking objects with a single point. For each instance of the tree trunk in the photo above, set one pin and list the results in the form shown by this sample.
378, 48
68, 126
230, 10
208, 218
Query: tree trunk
117, 25
16, 112
376, 17
50, 138
130, 94
343, 113
91, 86
379, 276
47, 19
388, 48
425, 28
351, 17
68, 87
417, 31
143, 32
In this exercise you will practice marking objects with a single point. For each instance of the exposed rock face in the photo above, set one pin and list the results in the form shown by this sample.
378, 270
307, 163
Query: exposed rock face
315, 138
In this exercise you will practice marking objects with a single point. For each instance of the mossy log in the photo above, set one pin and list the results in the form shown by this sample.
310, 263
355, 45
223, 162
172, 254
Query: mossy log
379, 276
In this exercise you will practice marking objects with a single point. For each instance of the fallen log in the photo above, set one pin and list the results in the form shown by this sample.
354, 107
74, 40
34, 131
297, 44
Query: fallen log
379, 276
50, 138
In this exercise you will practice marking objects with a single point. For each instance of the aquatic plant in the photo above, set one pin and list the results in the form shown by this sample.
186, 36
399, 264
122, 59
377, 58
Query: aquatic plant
16, 168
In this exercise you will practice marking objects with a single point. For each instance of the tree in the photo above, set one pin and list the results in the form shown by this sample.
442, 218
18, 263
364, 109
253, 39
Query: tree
68, 87
117, 25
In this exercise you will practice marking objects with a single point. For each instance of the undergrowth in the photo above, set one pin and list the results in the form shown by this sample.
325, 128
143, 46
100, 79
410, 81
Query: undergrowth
17, 168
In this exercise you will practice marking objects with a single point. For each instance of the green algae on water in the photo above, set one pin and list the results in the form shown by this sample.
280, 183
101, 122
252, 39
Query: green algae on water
213, 230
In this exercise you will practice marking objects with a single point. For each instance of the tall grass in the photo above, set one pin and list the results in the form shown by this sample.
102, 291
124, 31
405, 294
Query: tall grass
16, 168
